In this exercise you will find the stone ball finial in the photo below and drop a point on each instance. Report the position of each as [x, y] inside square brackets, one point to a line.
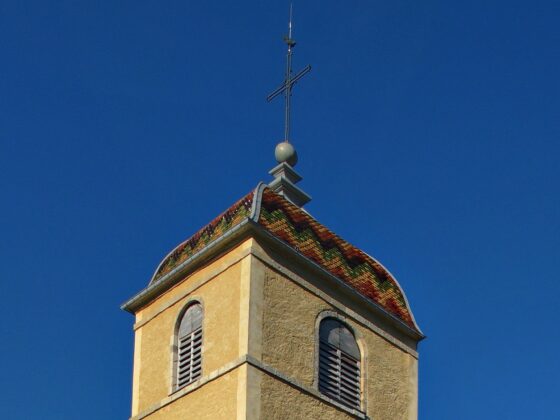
[285, 152]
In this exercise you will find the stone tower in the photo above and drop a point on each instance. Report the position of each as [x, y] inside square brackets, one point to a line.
[267, 314]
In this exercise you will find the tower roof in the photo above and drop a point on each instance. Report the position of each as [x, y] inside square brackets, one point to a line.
[274, 215]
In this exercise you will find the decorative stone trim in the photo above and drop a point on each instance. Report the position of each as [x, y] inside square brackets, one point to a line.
[258, 365]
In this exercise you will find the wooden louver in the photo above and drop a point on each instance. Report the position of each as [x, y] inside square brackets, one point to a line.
[189, 347]
[339, 365]
[190, 358]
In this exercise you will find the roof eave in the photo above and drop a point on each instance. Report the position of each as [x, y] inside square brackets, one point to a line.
[168, 280]
[240, 232]
[415, 334]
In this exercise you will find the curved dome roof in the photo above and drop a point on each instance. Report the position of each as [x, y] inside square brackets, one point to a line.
[296, 228]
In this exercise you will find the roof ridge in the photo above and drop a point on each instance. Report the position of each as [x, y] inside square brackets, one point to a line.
[257, 197]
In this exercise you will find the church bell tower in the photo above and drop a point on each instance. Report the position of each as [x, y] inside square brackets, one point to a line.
[265, 313]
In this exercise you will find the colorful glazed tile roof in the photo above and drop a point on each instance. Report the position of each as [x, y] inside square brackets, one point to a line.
[216, 228]
[299, 230]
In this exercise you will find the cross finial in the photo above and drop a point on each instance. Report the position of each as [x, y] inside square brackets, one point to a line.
[285, 177]
[290, 81]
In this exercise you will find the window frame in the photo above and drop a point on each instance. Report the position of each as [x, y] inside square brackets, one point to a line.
[361, 362]
[175, 346]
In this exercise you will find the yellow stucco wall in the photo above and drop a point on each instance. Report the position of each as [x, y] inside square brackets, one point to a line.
[289, 344]
[281, 401]
[216, 400]
[252, 309]
[217, 287]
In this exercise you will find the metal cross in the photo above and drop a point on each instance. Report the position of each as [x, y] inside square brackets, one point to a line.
[290, 81]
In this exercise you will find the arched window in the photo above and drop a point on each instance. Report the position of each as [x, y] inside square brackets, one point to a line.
[188, 366]
[339, 363]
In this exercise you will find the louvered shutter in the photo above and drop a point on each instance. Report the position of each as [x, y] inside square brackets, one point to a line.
[189, 347]
[339, 365]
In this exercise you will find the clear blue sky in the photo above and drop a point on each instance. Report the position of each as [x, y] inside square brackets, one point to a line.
[428, 135]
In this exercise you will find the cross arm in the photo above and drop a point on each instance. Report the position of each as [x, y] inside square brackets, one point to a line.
[277, 92]
[300, 74]
[288, 83]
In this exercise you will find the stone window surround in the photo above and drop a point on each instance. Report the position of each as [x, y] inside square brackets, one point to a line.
[361, 345]
[174, 341]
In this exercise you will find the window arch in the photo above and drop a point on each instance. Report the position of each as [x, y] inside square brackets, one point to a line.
[188, 360]
[339, 363]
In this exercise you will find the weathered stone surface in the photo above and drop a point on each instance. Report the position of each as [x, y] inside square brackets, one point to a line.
[281, 401]
[289, 345]
[289, 327]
